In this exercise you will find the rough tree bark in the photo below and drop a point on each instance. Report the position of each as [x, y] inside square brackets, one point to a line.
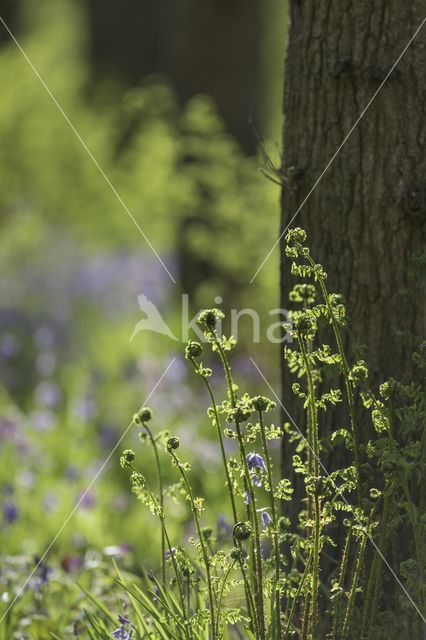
[366, 219]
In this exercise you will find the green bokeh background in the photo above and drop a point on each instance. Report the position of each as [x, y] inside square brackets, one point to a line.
[72, 263]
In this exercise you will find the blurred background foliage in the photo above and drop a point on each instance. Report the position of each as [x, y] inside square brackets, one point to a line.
[165, 111]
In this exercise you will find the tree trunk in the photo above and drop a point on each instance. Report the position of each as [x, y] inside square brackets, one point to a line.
[9, 11]
[203, 46]
[366, 218]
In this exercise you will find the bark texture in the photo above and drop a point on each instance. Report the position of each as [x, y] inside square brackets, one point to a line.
[366, 218]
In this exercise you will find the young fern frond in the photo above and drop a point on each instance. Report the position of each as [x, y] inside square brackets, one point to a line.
[252, 566]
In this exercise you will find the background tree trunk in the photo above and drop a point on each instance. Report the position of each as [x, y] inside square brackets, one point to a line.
[366, 218]
[203, 46]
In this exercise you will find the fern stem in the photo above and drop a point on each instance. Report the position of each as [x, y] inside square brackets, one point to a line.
[353, 588]
[373, 589]
[274, 524]
[313, 429]
[249, 486]
[220, 598]
[341, 584]
[202, 542]
[296, 597]
[170, 549]
[160, 490]
[345, 367]
[315, 581]
[247, 587]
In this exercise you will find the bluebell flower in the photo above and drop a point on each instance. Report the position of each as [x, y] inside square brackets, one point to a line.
[255, 461]
[50, 501]
[10, 512]
[48, 394]
[86, 500]
[108, 436]
[266, 518]
[41, 575]
[43, 571]
[71, 473]
[224, 529]
[8, 346]
[169, 553]
[84, 408]
[121, 633]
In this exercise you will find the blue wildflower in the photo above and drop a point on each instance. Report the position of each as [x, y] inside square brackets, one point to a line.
[10, 512]
[169, 553]
[44, 571]
[224, 529]
[86, 500]
[121, 633]
[266, 518]
[40, 576]
[255, 461]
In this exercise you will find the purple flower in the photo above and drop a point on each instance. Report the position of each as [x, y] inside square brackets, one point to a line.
[84, 408]
[48, 394]
[43, 420]
[43, 571]
[86, 500]
[121, 633]
[120, 502]
[169, 553]
[108, 436]
[50, 501]
[41, 575]
[45, 363]
[224, 529]
[266, 518]
[116, 550]
[10, 429]
[255, 461]
[8, 346]
[44, 336]
[10, 511]
[71, 473]
[26, 479]
[71, 564]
